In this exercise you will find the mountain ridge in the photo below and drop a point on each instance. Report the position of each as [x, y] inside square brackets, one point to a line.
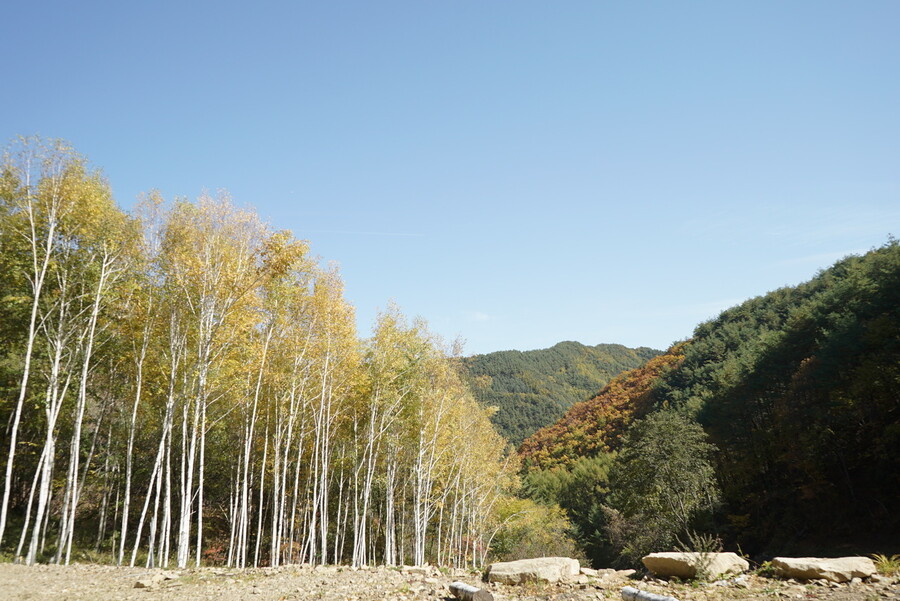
[533, 388]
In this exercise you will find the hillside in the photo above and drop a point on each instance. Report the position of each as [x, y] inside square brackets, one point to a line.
[799, 389]
[532, 389]
[596, 425]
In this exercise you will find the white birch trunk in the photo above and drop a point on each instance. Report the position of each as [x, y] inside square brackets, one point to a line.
[40, 267]
[259, 509]
[132, 428]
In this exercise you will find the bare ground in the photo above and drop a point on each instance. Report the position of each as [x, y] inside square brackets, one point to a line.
[91, 582]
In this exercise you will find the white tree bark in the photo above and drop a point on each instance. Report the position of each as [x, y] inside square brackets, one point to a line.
[42, 250]
[140, 357]
[108, 268]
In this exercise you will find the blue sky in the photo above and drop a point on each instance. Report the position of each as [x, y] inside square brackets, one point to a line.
[517, 173]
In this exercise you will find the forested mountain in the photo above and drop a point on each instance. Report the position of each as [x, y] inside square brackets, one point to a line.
[534, 388]
[597, 425]
[799, 391]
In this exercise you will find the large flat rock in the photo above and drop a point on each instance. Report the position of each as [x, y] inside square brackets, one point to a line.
[686, 565]
[835, 569]
[546, 569]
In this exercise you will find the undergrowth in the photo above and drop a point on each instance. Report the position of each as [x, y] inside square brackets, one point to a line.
[888, 566]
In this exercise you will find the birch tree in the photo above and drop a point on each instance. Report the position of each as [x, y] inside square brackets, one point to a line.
[336, 349]
[210, 257]
[34, 174]
[103, 237]
[207, 382]
[75, 234]
[393, 372]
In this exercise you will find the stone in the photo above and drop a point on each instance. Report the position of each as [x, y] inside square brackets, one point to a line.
[540, 569]
[629, 593]
[152, 581]
[416, 570]
[466, 592]
[685, 565]
[836, 569]
[795, 592]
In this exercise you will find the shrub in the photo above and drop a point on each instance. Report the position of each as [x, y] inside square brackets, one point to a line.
[661, 483]
[525, 529]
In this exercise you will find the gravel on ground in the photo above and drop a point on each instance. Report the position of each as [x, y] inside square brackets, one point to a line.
[92, 582]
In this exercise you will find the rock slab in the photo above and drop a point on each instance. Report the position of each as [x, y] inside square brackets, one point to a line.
[545, 569]
[466, 592]
[835, 569]
[630, 593]
[155, 579]
[686, 565]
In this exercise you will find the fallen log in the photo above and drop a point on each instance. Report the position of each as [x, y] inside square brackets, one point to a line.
[630, 593]
[465, 592]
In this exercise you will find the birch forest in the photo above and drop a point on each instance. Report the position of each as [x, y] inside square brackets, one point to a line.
[183, 385]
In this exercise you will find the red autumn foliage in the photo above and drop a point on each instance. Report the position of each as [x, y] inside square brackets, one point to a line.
[597, 425]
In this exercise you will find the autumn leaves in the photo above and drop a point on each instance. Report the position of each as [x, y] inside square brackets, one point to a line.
[187, 379]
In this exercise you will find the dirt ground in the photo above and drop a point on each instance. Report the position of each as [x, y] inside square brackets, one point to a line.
[89, 582]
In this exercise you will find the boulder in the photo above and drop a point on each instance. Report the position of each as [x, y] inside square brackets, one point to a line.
[465, 592]
[547, 569]
[836, 569]
[686, 565]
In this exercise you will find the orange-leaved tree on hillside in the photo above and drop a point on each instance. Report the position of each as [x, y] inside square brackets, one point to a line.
[597, 425]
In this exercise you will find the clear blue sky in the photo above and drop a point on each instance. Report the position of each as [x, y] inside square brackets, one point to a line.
[517, 173]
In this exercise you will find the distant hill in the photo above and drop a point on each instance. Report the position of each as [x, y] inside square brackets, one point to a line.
[596, 425]
[532, 389]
